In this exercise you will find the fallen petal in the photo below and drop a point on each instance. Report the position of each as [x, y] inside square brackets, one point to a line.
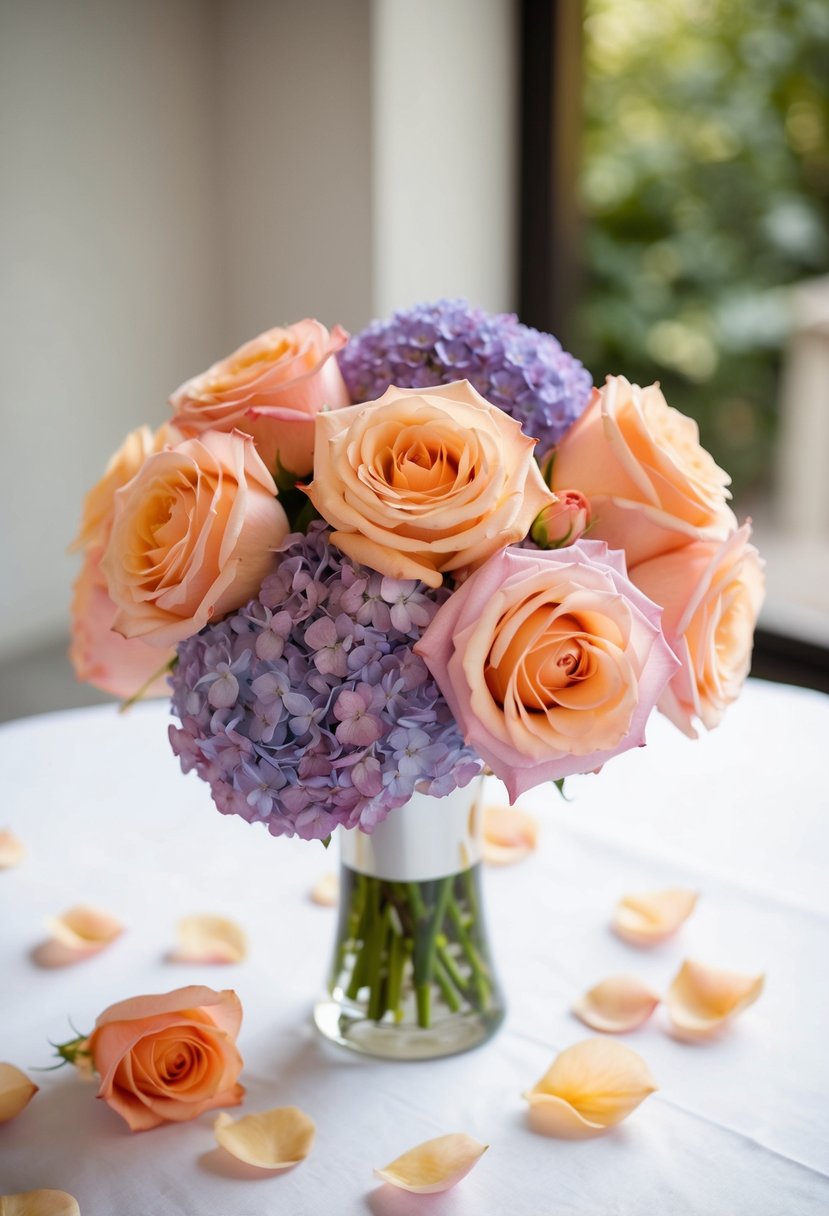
[617, 1004]
[78, 934]
[648, 918]
[39, 1203]
[590, 1087]
[326, 891]
[16, 1091]
[702, 999]
[271, 1140]
[435, 1165]
[510, 835]
[12, 851]
[209, 939]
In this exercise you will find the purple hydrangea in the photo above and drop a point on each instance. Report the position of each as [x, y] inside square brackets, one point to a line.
[524, 372]
[308, 708]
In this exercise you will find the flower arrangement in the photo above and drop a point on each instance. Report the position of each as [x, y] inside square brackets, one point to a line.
[371, 567]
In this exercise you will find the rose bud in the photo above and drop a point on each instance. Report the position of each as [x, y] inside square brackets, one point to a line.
[562, 522]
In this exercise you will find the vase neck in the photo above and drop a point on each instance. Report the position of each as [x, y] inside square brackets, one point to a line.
[427, 838]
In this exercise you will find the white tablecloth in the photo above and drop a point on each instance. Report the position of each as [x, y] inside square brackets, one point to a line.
[738, 1126]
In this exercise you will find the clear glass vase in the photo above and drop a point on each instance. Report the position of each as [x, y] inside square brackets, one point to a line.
[412, 974]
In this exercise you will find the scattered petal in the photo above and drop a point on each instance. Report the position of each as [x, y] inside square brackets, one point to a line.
[326, 891]
[435, 1165]
[648, 918]
[39, 1203]
[590, 1087]
[510, 835]
[272, 1140]
[16, 1091]
[12, 851]
[702, 999]
[209, 939]
[617, 1004]
[78, 934]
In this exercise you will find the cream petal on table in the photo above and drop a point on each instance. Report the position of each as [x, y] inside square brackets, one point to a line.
[436, 1165]
[510, 835]
[701, 1000]
[590, 1087]
[12, 850]
[209, 939]
[39, 1203]
[16, 1091]
[617, 1004]
[326, 891]
[652, 916]
[272, 1140]
[78, 934]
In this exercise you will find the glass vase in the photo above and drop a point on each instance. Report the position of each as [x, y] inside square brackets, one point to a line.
[412, 974]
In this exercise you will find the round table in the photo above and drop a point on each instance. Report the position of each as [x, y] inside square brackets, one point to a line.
[738, 1125]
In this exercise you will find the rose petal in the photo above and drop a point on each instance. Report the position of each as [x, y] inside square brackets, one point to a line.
[589, 1087]
[702, 999]
[12, 851]
[209, 939]
[16, 1091]
[78, 934]
[326, 891]
[652, 916]
[435, 1165]
[617, 1004]
[272, 1140]
[510, 835]
[39, 1203]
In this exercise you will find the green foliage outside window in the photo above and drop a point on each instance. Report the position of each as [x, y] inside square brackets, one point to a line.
[705, 188]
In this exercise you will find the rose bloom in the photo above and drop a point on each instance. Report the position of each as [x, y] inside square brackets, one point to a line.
[99, 503]
[100, 656]
[711, 593]
[551, 661]
[563, 522]
[270, 388]
[652, 487]
[192, 537]
[168, 1058]
[420, 483]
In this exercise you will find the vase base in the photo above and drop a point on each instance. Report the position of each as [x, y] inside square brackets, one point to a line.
[347, 1025]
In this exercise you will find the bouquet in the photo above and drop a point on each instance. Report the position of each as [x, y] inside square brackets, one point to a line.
[372, 568]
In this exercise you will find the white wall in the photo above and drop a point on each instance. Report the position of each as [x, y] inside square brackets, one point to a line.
[445, 133]
[180, 174]
[108, 296]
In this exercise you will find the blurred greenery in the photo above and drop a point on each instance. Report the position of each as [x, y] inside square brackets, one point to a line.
[705, 187]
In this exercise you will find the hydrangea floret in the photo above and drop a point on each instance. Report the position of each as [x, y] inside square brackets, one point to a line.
[524, 372]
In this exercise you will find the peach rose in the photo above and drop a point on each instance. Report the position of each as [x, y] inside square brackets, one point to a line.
[551, 661]
[98, 506]
[100, 656]
[168, 1058]
[711, 593]
[652, 487]
[270, 388]
[192, 537]
[423, 482]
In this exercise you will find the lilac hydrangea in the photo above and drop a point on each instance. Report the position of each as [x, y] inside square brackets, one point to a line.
[524, 372]
[308, 708]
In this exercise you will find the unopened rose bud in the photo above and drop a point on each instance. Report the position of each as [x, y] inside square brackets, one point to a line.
[563, 522]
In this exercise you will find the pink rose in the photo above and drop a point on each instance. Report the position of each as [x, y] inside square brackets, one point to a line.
[425, 481]
[100, 656]
[270, 388]
[652, 487]
[168, 1058]
[193, 537]
[550, 661]
[563, 522]
[711, 593]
